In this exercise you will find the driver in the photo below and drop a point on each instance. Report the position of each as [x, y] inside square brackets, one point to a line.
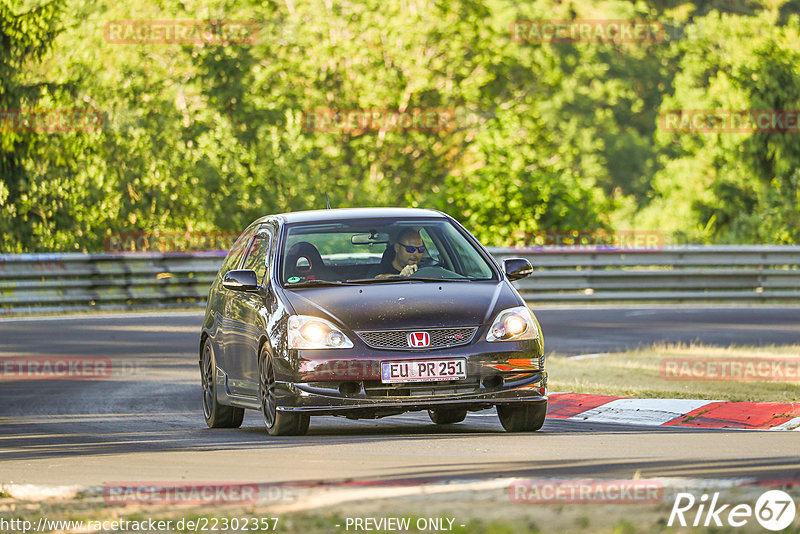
[408, 252]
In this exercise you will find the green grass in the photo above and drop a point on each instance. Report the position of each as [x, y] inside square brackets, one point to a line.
[626, 519]
[639, 373]
[480, 512]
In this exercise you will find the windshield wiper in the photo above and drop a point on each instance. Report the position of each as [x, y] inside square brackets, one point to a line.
[430, 279]
[394, 278]
[398, 278]
[309, 283]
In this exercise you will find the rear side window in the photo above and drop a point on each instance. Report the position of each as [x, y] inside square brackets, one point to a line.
[236, 252]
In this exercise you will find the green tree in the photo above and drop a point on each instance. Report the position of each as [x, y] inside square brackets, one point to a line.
[205, 137]
[723, 186]
[25, 38]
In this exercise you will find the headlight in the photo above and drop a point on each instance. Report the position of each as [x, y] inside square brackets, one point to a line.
[306, 332]
[513, 324]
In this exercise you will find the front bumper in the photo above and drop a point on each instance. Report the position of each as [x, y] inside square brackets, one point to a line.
[313, 399]
[347, 382]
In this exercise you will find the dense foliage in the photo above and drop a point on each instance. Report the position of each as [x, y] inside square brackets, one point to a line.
[206, 136]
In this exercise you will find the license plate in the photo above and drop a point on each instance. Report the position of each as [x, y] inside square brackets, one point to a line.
[423, 371]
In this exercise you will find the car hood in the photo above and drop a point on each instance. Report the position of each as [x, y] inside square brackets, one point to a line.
[405, 305]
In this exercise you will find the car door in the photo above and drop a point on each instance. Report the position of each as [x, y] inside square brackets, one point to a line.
[245, 324]
[224, 299]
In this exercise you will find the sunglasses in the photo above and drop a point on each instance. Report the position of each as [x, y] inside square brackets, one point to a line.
[410, 249]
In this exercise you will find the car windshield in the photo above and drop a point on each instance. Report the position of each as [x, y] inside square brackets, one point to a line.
[379, 251]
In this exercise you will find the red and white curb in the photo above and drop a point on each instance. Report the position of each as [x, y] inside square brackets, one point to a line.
[675, 412]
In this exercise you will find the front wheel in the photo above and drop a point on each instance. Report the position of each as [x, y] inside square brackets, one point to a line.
[217, 415]
[522, 418]
[278, 423]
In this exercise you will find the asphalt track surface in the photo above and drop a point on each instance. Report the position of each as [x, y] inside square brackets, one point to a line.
[144, 423]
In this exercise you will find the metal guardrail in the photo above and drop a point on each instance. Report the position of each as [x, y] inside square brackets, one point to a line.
[74, 282]
[78, 282]
[673, 273]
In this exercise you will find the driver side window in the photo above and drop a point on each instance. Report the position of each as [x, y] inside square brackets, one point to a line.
[257, 255]
[236, 252]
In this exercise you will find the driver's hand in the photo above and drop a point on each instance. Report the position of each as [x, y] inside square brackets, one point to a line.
[408, 270]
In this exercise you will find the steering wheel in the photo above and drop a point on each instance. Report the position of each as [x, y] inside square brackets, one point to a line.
[434, 271]
[428, 262]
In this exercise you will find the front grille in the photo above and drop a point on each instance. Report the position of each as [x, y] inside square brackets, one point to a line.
[421, 389]
[398, 339]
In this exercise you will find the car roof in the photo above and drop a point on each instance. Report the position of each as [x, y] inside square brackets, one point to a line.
[340, 214]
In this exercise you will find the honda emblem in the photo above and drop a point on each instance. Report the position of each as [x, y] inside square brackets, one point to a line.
[419, 339]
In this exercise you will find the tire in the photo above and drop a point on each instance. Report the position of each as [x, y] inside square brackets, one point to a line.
[525, 418]
[447, 416]
[216, 415]
[277, 423]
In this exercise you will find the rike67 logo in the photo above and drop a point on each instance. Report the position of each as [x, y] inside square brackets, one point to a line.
[774, 510]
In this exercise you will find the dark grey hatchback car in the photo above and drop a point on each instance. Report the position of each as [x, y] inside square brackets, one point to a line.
[365, 313]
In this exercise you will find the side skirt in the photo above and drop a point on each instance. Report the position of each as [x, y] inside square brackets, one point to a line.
[250, 403]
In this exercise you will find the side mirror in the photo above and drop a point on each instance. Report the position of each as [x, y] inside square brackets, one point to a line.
[516, 268]
[241, 280]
